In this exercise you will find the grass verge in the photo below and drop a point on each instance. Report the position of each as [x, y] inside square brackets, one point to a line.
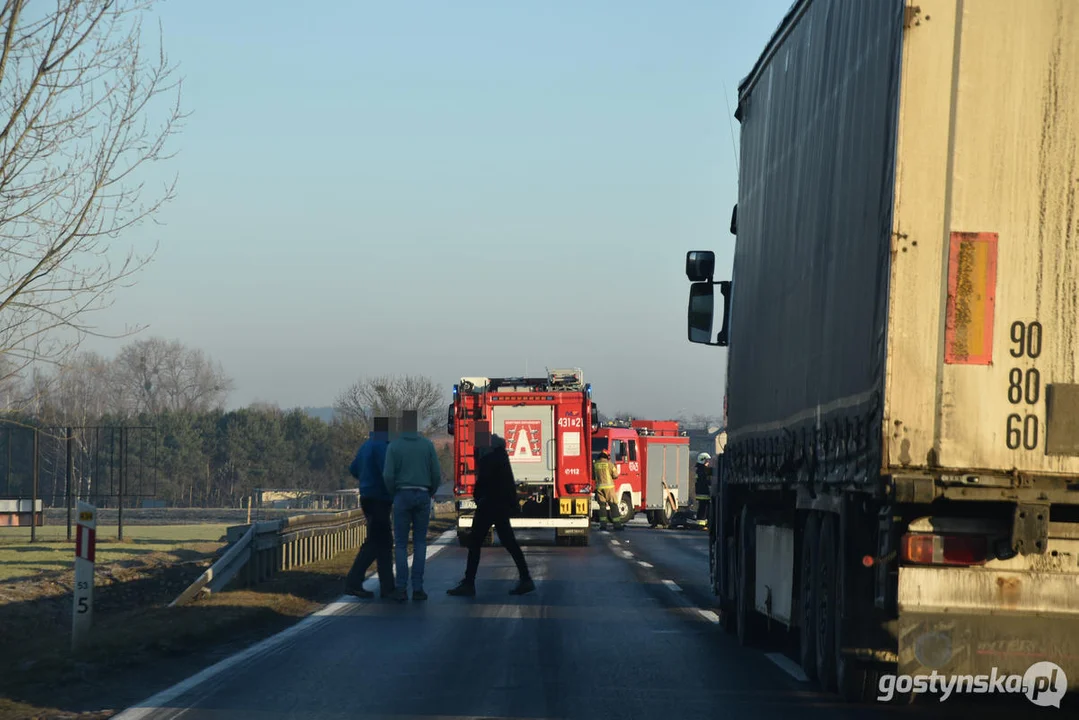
[134, 652]
[21, 560]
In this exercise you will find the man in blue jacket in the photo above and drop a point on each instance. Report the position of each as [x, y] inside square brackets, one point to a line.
[376, 502]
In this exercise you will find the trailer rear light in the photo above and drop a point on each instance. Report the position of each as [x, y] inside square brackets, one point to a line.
[578, 489]
[926, 549]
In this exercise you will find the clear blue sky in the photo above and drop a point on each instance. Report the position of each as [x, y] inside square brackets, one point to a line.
[449, 189]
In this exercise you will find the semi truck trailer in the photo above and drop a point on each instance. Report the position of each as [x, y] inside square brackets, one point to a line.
[899, 484]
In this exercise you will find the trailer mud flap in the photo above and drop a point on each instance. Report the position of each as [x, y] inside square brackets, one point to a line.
[965, 644]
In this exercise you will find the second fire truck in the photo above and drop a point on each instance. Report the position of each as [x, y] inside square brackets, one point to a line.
[547, 423]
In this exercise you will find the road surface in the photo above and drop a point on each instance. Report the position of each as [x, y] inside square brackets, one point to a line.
[619, 629]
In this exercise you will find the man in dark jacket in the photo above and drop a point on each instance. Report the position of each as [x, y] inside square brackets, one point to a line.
[376, 502]
[495, 494]
[702, 486]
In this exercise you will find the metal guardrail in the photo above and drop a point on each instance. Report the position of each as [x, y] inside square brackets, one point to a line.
[263, 549]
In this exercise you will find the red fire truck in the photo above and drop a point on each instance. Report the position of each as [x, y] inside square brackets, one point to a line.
[547, 424]
[654, 471]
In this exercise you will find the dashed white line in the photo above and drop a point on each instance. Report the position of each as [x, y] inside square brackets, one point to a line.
[709, 616]
[788, 666]
[644, 564]
[672, 585]
[615, 542]
[627, 554]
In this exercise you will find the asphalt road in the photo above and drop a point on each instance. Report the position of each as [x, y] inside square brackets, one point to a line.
[619, 629]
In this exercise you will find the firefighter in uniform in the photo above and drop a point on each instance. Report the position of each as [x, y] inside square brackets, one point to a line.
[604, 473]
[702, 487]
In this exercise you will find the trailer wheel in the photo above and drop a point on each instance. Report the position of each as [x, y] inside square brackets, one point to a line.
[807, 584]
[747, 621]
[826, 604]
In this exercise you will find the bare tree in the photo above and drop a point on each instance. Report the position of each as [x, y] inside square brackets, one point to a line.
[391, 395]
[154, 375]
[76, 87]
[77, 393]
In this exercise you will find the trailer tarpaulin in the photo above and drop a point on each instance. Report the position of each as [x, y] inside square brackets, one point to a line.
[811, 265]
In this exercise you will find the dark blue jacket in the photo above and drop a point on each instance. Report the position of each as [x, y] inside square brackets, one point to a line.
[367, 467]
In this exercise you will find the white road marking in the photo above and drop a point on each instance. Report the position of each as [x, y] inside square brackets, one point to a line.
[162, 699]
[672, 585]
[642, 563]
[615, 542]
[788, 666]
[709, 615]
[627, 554]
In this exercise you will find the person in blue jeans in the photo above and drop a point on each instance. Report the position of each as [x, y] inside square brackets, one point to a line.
[412, 475]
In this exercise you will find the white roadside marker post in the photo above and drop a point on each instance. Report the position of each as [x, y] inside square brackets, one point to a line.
[83, 599]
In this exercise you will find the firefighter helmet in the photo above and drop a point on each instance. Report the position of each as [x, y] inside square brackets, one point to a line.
[703, 457]
[604, 453]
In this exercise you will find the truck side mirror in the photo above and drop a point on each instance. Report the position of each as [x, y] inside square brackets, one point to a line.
[700, 265]
[449, 421]
[701, 310]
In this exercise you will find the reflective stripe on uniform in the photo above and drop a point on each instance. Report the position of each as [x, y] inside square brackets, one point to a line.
[704, 497]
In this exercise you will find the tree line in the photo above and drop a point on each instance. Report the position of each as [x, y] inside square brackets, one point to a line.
[181, 445]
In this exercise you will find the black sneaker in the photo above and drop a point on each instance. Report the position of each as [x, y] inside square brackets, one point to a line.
[463, 589]
[418, 596]
[388, 593]
[400, 595]
[360, 593]
[523, 587]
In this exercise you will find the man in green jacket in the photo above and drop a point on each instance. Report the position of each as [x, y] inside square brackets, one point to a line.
[412, 475]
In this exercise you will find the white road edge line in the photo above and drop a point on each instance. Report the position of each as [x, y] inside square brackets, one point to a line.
[788, 666]
[672, 585]
[162, 699]
[644, 564]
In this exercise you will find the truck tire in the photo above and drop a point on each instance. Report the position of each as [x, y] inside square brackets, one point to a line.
[625, 508]
[747, 621]
[807, 596]
[668, 513]
[825, 591]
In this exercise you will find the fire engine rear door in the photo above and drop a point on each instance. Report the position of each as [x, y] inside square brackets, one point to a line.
[530, 440]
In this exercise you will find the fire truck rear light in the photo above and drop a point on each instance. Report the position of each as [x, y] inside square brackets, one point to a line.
[578, 489]
[926, 549]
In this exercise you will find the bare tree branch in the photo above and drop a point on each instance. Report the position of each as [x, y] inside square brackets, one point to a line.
[76, 94]
[392, 395]
[154, 375]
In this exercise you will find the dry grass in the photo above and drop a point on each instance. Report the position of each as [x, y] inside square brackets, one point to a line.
[140, 648]
[20, 560]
